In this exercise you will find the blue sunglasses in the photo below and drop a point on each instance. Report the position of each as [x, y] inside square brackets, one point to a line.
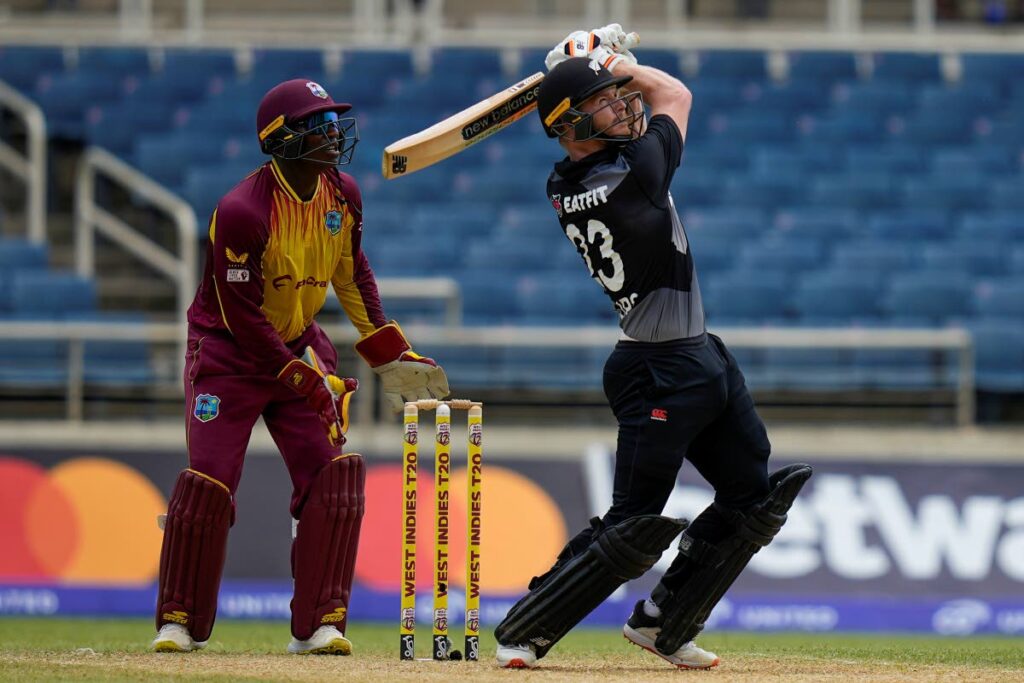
[320, 119]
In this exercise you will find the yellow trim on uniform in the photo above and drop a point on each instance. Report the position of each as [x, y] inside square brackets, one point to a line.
[292, 194]
[345, 455]
[556, 112]
[211, 479]
[271, 127]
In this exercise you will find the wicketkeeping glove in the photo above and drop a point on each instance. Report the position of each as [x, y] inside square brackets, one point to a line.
[327, 394]
[608, 45]
[404, 374]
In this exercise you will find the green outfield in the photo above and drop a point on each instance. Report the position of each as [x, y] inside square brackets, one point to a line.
[104, 650]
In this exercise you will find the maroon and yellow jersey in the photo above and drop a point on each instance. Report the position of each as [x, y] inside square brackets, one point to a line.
[271, 258]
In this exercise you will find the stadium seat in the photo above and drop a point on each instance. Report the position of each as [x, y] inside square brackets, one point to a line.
[271, 66]
[822, 68]
[874, 97]
[1000, 69]
[936, 296]
[775, 253]
[978, 259]
[562, 299]
[977, 160]
[855, 191]
[1004, 226]
[40, 363]
[718, 158]
[887, 158]
[118, 126]
[876, 256]
[909, 225]
[970, 98]
[1000, 298]
[712, 254]
[791, 98]
[488, 295]
[461, 63]
[725, 222]
[936, 128]
[18, 254]
[208, 61]
[696, 189]
[65, 99]
[378, 66]
[115, 363]
[737, 65]
[771, 159]
[765, 191]
[114, 62]
[1006, 194]
[22, 65]
[808, 369]
[51, 292]
[829, 297]
[741, 295]
[906, 67]
[999, 355]
[204, 186]
[714, 95]
[820, 223]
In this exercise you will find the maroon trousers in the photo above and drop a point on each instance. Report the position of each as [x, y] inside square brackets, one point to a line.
[225, 395]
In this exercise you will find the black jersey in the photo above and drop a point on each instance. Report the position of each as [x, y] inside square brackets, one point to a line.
[615, 207]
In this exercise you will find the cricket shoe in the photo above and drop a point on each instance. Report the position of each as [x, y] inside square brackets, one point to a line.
[175, 638]
[516, 656]
[326, 640]
[643, 630]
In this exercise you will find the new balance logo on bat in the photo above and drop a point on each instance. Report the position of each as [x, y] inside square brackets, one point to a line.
[399, 163]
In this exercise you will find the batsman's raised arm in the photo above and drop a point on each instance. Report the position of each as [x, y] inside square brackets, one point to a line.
[662, 92]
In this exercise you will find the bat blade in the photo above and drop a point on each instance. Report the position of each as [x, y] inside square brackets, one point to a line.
[461, 130]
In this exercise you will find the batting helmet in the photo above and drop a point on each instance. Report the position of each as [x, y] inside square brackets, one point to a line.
[295, 109]
[567, 86]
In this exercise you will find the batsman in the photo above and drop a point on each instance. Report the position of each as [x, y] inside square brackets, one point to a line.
[290, 229]
[675, 389]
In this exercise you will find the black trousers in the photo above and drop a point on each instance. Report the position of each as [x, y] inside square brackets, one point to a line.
[676, 400]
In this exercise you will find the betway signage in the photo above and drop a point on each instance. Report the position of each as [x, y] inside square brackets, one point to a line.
[882, 528]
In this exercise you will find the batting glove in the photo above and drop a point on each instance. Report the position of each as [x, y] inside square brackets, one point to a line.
[327, 394]
[404, 374]
[608, 45]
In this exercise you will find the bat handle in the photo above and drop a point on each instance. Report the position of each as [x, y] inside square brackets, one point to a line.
[630, 41]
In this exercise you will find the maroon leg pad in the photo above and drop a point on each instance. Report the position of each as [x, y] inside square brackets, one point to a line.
[324, 550]
[192, 557]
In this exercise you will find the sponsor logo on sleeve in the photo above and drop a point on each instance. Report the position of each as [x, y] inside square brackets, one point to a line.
[238, 274]
[236, 258]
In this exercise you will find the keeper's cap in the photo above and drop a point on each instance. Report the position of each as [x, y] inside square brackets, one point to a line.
[568, 85]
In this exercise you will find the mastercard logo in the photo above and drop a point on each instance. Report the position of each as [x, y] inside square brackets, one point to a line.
[86, 520]
[522, 529]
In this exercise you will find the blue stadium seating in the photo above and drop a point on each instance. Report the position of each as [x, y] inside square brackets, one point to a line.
[822, 68]
[1000, 227]
[742, 297]
[831, 297]
[779, 254]
[910, 225]
[999, 354]
[936, 296]
[823, 199]
[1000, 298]
[906, 67]
[40, 363]
[51, 292]
[819, 223]
[1001, 69]
[22, 65]
[466, 63]
[739, 65]
[978, 259]
[561, 298]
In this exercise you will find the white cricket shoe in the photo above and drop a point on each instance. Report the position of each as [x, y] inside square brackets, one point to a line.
[175, 638]
[326, 640]
[643, 630]
[516, 656]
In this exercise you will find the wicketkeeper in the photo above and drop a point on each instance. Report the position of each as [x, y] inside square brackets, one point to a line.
[284, 234]
[676, 391]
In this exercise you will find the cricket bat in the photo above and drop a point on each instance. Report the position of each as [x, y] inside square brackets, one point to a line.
[468, 127]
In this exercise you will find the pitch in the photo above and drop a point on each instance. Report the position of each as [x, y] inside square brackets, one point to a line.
[106, 650]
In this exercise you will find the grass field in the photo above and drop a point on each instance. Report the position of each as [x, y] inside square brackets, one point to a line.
[105, 650]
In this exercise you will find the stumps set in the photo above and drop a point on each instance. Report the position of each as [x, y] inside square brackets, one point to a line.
[441, 643]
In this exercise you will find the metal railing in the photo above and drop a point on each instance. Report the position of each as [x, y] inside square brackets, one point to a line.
[91, 219]
[32, 166]
[949, 340]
